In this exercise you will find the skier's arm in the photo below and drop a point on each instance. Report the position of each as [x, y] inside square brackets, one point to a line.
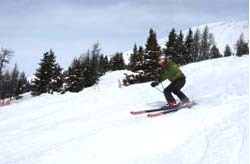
[158, 81]
[154, 84]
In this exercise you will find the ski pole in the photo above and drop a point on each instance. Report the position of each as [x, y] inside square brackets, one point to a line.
[162, 86]
[159, 90]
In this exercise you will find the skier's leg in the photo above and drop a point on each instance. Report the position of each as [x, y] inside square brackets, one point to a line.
[179, 83]
[168, 94]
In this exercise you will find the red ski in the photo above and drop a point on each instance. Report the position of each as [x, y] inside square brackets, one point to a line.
[150, 110]
[151, 115]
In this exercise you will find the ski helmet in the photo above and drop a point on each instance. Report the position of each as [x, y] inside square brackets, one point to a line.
[162, 57]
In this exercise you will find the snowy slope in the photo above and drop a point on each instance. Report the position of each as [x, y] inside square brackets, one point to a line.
[227, 32]
[94, 126]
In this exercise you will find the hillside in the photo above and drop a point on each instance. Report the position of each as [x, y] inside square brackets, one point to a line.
[95, 126]
[227, 32]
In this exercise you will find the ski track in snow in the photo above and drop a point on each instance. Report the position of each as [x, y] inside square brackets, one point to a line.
[94, 126]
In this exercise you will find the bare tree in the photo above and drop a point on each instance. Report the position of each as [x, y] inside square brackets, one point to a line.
[5, 55]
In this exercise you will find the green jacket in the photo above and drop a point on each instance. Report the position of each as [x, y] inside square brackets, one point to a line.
[170, 71]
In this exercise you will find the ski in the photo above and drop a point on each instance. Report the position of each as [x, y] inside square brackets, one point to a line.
[151, 115]
[150, 110]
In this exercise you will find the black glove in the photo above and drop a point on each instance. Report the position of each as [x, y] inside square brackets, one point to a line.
[154, 84]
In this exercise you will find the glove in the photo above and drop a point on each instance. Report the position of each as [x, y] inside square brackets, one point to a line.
[154, 84]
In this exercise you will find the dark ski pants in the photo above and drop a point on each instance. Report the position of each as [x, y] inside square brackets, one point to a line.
[175, 87]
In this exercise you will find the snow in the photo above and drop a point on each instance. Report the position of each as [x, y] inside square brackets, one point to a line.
[225, 32]
[95, 126]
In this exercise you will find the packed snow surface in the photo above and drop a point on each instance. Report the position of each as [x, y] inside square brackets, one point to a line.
[95, 125]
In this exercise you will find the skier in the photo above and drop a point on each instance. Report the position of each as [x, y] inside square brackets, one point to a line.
[170, 70]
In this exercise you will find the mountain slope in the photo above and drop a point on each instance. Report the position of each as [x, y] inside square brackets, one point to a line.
[94, 126]
[227, 32]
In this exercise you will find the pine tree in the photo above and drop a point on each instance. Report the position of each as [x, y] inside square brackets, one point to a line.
[241, 46]
[57, 79]
[74, 77]
[205, 45]
[103, 64]
[92, 69]
[117, 62]
[133, 59]
[43, 82]
[138, 77]
[180, 49]
[86, 70]
[141, 55]
[136, 59]
[214, 53]
[13, 81]
[95, 54]
[106, 64]
[89, 74]
[227, 51]
[211, 43]
[190, 49]
[246, 48]
[152, 52]
[171, 45]
[147, 68]
[22, 85]
[197, 46]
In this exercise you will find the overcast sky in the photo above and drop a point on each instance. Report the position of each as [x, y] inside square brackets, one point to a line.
[70, 27]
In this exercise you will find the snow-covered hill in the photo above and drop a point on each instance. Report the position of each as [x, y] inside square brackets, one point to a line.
[95, 126]
[227, 32]
[224, 33]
